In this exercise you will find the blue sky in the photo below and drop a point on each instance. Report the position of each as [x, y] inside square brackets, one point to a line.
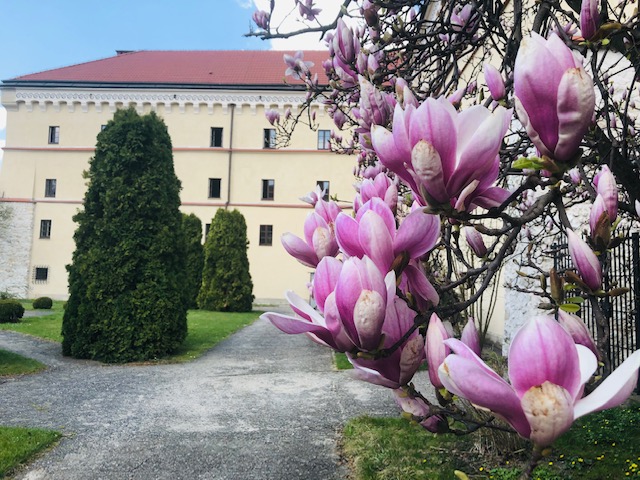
[40, 35]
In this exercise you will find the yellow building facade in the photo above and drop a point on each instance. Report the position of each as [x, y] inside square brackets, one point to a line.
[222, 148]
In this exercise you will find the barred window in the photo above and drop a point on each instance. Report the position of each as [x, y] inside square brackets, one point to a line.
[50, 187]
[268, 189]
[45, 228]
[54, 135]
[40, 274]
[266, 235]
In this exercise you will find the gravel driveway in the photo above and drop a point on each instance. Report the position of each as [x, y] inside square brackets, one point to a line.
[260, 405]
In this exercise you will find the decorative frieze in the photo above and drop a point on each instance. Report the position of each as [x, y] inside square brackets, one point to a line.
[199, 102]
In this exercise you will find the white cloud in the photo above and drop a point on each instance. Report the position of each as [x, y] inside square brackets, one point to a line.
[287, 18]
[246, 4]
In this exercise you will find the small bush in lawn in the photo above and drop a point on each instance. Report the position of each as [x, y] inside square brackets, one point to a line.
[42, 303]
[5, 296]
[11, 311]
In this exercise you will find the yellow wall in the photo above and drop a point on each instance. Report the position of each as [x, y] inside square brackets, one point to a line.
[29, 160]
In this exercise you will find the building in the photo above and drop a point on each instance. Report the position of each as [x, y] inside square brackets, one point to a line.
[213, 103]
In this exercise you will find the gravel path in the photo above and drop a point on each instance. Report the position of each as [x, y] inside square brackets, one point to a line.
[260, 405]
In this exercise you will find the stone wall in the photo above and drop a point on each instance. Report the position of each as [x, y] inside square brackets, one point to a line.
[16, 232]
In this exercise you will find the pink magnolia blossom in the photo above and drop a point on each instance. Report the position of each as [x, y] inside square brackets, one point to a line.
[554, 96]
[589, 18]
[273, 116]
[420, 411]
[436, 349]
[494, 81]
[296, 66]
[305, 7]
[318, 243]
[398, 368]
[382, 187]
[585, 261]
[444, 156]
[545, 395]
[345, 44]
[470, 336]
[578, 331]
[373, 233]
[261, 19]
[475, 241]
[606, 186]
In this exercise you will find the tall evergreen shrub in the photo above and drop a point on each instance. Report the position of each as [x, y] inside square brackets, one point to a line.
[192, 227]
[226, 281]
[127, 301]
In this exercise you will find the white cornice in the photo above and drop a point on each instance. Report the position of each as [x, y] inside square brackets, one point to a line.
[71, 99]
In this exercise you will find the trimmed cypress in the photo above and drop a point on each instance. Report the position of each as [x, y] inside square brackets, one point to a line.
[127, 301]
[226, 281]
[192, 227]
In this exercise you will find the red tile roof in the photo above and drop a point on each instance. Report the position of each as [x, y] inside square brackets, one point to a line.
[210, 67]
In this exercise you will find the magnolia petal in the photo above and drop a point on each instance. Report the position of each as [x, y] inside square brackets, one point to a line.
[428, 170]
[470, 336]
[549, 411]
[417, 235]
[559, 364]
[347, 235]
[578, 331]
[576, 104]
[436, 349]
[325, 279]
[298, 249]
[411, 357]
[376, 240]
[585, 261]
[614, 390]
[420, 286]
[469, 378]
[491, 197]
[371, 376]
[368, 318]
[588, 365]
[385, 148]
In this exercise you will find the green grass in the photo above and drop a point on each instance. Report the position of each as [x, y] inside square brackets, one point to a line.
[205, 329]
[602, 446]
[14, 364]
[18, 445]
[341, 362]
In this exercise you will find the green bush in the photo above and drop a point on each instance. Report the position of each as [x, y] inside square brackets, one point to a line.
[11, 311]
[126, 282]
[226, 281]
[6, 296]
[192, 227]
[42, 303]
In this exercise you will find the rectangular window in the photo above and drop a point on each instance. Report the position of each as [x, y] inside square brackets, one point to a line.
[207, 227]
[324, 137]
[102, 127]
[41, 274]
[45, 228]
[54, 135]
[50, 187]
[269, 138]
[268, 189]
[324, 185]
[266, 235]
[214, 187]
[216, 136]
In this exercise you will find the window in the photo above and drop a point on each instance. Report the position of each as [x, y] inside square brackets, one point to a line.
[102, 127]
[216, 136]
[324, 137]
[324, 185]
[214, 187]
[45, 228]
[268, 187]
[207, 227]
[50, 187]
[41, 274]
[266, 235]
[54, 135]
[269, 138]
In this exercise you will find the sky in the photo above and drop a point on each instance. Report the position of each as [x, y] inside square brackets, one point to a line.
[39, 35]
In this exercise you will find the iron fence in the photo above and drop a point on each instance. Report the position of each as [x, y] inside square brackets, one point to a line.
[623, 311]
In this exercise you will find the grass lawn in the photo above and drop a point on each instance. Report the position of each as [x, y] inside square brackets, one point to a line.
[602, 446]
[205, 328]
[341, 362]
[14, 364]
[17, 445]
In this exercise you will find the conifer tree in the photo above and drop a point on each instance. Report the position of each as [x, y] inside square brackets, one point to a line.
[226, 281]
[127, 301]
[192, 227]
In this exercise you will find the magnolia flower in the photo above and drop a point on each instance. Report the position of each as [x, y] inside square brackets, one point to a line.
[420, 411]
[585, 261]
[373, 233]
[578, 331]
[261, 19]
[444, 156]
[554, 96]
[345, 45]
[382, 187]
[296, 66]
[273, 116]
[606, 186]
[398, 368]
[545, 395]
[475, 241]
[305, 7]
[494, 81]
[319, 241]
[589, 18]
